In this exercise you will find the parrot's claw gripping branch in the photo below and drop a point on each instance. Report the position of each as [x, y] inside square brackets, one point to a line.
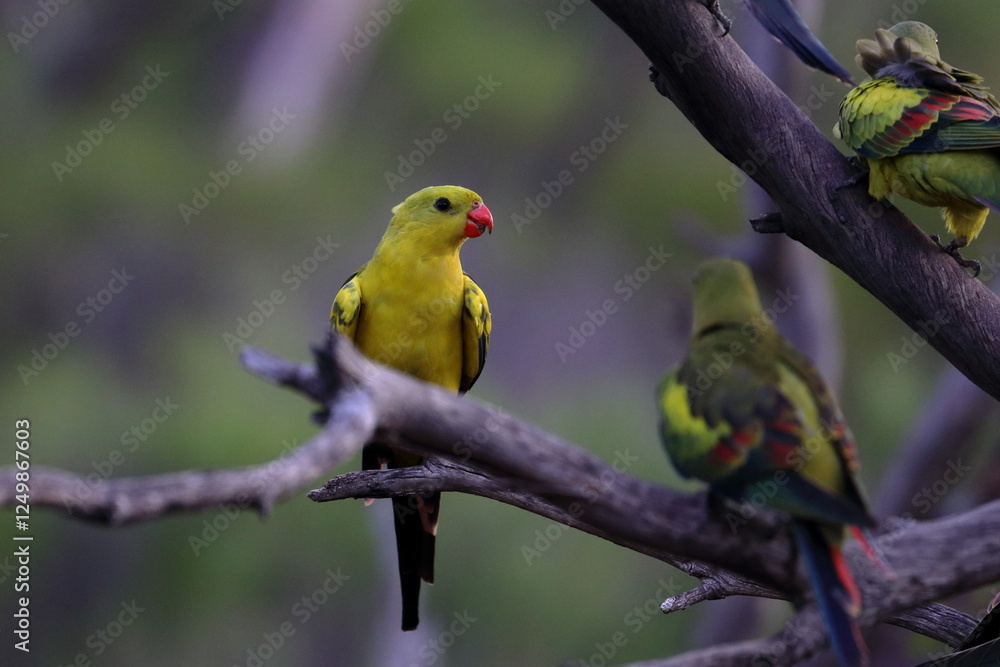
[720, 16]
[953, 248]
[860, 176]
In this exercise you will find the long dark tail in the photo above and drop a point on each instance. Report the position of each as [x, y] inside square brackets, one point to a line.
[836, 592]
[415, 521]
[415, 518]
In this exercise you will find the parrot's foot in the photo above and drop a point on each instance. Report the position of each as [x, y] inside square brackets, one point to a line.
[861, 174]
[953, 248]
[727, 23]
[769, 223]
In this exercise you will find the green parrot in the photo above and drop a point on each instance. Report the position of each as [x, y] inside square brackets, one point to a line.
[781, 20]
[925, 130]
[751, 416]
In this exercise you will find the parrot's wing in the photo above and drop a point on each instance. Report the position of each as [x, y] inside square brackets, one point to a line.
[346, 308]
[690, 442]
[476, 327]
[781, 20]
[729, 430]
[746, 429]
[882, 119]
[969, 125]
[874, 121]
[851, 502]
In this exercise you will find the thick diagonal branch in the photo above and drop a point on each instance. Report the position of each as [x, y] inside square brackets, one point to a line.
[747, 119]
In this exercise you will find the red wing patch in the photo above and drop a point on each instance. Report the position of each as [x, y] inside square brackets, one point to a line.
[970, 109]
[733, 447]
[725, 451]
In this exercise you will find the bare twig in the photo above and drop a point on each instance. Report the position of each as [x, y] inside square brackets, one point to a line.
[131, 499]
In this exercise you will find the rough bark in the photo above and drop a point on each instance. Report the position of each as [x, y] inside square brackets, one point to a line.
[748, 120]
[482, 450]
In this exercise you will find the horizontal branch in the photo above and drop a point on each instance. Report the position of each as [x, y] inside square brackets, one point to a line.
[131, 499]
[484, 451]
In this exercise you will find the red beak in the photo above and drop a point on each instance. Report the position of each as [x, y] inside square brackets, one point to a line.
[478, 221]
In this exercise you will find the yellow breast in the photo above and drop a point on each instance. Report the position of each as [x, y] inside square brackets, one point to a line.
[411, 316]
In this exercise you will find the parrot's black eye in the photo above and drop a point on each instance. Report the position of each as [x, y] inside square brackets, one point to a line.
[442, 204]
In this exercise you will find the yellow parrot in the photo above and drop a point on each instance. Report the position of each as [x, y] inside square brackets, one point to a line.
[412, 307]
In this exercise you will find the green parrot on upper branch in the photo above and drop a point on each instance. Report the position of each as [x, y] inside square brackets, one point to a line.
[781, 20]
[925, 130]
[751, 416]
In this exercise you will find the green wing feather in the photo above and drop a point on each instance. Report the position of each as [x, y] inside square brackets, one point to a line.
[476, 327]
[915, 102]
[758, 419]
[346, 309]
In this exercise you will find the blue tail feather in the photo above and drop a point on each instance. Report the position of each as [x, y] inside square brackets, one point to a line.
[781, 20]
[832, 596]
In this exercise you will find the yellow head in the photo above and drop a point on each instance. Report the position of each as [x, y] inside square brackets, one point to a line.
[447, 212]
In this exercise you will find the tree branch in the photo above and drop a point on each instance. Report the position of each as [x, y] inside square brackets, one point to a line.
[484, 451]
[131, 499]
[802, 637]
[747, 119]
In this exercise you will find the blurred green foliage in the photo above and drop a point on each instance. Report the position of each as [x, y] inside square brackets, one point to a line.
[324, 177]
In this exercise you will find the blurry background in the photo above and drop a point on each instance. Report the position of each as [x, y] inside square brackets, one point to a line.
[177, 175]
